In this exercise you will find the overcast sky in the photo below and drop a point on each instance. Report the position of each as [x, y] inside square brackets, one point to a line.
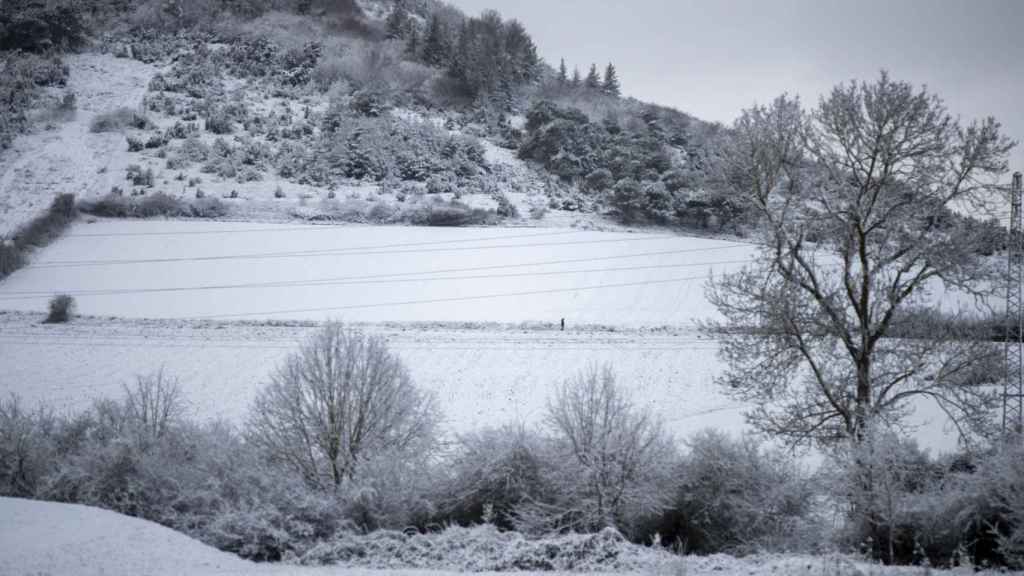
[713, 58]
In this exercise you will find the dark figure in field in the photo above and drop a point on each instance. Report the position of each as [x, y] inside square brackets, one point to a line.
[563, 324]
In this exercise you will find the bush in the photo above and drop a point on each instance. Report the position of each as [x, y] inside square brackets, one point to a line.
[119, 119]
[26, 453]
[41, 26]
[506, 209]
[735, 496]
[115, 205]
[135, 144]
[62, 308]
[453, 213]
[492, 473]
[219, 122]
[23, 76]
[140, 177]
[485, 549]
[210, 207]
[160, 204]
[37, 233]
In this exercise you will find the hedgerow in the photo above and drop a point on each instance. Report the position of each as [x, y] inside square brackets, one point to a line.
[37, 233]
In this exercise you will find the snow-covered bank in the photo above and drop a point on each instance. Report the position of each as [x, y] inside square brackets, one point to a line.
[68, 539]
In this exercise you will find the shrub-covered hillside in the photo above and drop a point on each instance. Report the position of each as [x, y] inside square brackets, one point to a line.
[376, 110]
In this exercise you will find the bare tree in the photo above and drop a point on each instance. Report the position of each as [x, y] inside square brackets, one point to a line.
[856, 201]
[614, 449]
[25, 447]
[341, 398]
[153, 405]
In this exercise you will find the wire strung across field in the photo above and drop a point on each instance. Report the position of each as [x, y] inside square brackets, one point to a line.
[359, 251]
[391, 278]
[449, 299]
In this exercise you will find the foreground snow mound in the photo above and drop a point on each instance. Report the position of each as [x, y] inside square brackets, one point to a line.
[54, 539]
[484, 548]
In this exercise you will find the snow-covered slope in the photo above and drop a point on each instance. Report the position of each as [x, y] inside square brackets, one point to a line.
[69, 158]
[57, 539]
[46, 538]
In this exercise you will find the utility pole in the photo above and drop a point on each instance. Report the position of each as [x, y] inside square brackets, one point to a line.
[1013, 393]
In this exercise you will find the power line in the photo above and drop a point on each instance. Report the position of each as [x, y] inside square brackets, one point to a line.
[306, 228]
[353, 252]
[200, 345]
[452, 299]
[342, 281]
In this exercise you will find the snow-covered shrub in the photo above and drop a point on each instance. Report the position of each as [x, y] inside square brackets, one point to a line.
[491, 473]
[484, 548]
[61, 309]
[381, 213]
[36, 233]
[734, 495]
[119, 119]
[181, 130]
[1001, 480]
[506, 209]
[328, 70]
[612, 461]
[26, 447]
[24, 74]
[209, 207]
[196, 73]
[140, 177]
[963, 509]
[112, 205]
[295, 66]
[135, 144]
[219, 122]
[42, 26]
[376, 148]
[450, 213]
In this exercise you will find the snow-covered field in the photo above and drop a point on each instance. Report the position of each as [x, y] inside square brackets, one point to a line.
[473, 312]
[44, 538]
[174, 269]
[484, 374]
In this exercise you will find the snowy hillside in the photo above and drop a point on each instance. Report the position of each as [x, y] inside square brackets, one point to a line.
[68, 157]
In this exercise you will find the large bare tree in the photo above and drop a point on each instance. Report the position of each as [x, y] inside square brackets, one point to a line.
[342, 398]
[857, 201]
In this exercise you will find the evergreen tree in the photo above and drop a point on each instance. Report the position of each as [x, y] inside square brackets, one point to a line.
[398, 22]
[412, 44]
[611, 81]
[593, 81]
[436, 47]
[577, 80]
[563, 73]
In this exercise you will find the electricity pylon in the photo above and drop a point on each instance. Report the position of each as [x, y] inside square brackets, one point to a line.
[1013, 393]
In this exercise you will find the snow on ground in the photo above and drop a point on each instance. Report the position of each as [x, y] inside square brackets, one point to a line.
[375, 273]
[46, 538]
[499, 292]
[69, 158]
[484, 375]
